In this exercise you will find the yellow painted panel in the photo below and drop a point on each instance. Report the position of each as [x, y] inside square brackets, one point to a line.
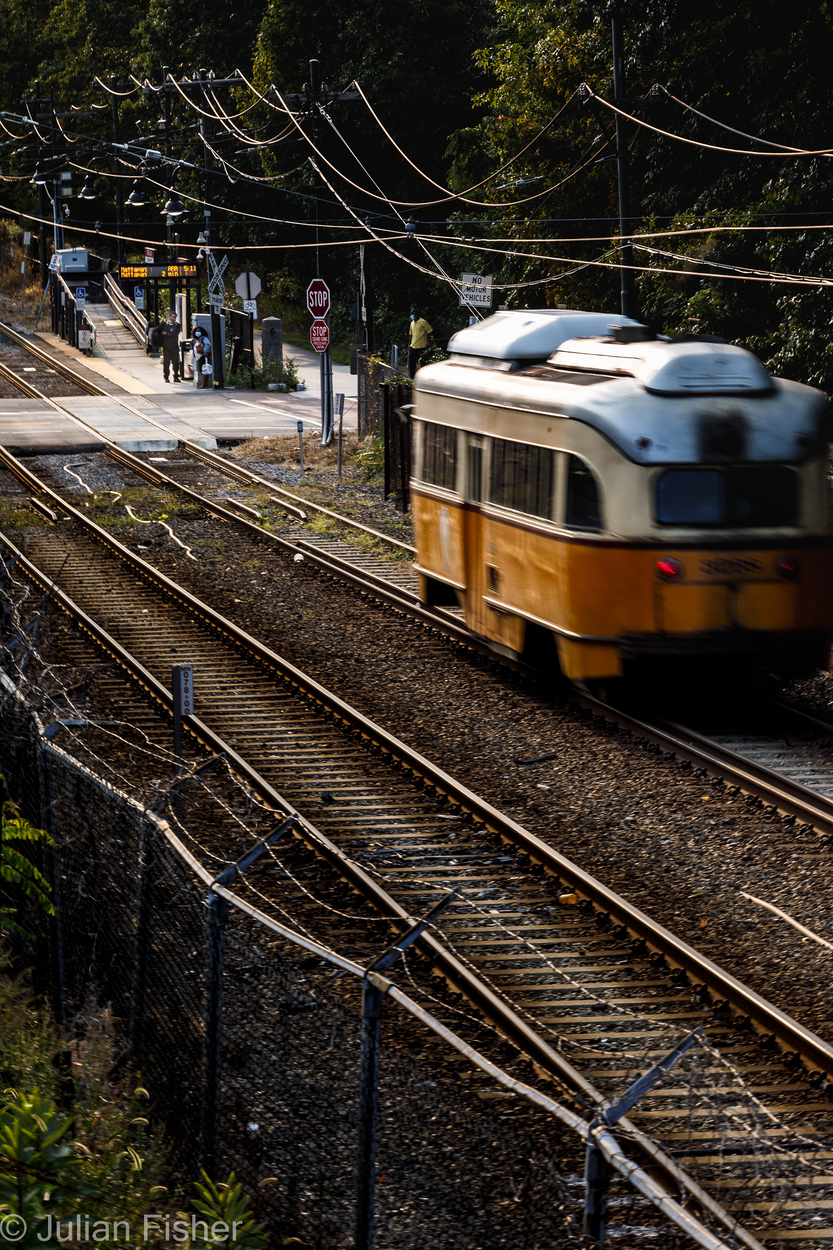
[582, 660]
[683, 608]
[769, 605]
[438, 537]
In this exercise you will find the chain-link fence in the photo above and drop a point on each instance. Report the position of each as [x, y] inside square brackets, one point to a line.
[251, 1034]
[250, 1046]
[373, 375]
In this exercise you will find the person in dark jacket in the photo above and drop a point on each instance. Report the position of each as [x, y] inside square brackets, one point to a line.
[170, 346]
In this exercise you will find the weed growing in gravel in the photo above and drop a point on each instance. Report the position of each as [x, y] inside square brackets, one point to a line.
[371, 458]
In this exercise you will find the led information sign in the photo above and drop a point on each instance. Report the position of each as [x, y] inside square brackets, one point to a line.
[159, 271]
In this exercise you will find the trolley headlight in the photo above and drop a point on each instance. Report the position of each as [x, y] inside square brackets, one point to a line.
[787, 567]
[669, 570]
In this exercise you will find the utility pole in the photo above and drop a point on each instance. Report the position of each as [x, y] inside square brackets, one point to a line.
[44, 264]
[313, 98]
[114, 108]
[627, 295]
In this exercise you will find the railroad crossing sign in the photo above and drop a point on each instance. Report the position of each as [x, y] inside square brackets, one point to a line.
[319, 335]
[216, 271]
[318, 300]
[215, 299]
[247, 286]
[476, 290]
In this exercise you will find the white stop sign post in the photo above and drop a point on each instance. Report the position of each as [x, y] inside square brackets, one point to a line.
[318, 303]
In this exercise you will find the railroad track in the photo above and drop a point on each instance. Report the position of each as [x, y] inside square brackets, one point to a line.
[567, 993]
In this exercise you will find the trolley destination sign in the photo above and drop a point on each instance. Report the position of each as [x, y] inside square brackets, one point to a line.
[159, 271]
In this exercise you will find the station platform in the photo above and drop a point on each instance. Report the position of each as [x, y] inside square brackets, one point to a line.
[144, 413]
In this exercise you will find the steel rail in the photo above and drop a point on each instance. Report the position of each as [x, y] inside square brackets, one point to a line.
[90, 388]
[764, 1016]
[248, 476]
[494, 1009]
[237, 472]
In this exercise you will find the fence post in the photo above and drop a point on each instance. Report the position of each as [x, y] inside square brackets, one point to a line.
[144, 927]
[57, 971]
[217, 913]
[374, 988]
[372, 999]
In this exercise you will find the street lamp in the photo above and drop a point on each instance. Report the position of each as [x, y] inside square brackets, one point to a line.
[88, 191]
[137, 197]
[174, 207]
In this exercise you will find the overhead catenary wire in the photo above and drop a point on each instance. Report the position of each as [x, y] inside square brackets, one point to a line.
[711, 147]
[724, 126]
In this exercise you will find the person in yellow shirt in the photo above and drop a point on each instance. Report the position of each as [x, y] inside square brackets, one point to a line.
[418, 340]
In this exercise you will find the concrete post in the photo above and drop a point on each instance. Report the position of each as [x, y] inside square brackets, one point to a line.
[271, 338]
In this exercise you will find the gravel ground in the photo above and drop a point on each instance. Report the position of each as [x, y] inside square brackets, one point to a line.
[677, 845]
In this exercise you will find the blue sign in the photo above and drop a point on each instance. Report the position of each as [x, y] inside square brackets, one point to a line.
[80, 296]
[139, 296]
[300, 427]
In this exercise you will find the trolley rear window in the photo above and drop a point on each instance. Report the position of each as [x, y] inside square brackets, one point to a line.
[743, 497]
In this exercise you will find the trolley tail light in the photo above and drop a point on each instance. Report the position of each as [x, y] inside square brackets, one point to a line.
[669, 570]
[788, 567]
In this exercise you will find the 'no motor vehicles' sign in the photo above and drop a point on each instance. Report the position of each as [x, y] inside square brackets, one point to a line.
[319, 335]
[318, 298]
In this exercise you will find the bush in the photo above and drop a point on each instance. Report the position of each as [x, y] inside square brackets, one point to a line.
[258, 379]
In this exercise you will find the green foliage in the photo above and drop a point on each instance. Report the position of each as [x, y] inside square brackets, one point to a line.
[38, 1170]
[768, 76]
[283, 372]
[15, 869]
[72, 1139]
[371, 458]
[226, 1203]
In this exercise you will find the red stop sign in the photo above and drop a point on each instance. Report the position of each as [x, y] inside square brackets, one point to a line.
[319, 335]
[318, 298]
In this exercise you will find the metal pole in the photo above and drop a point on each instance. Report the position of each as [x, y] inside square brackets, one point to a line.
[205, 132]
[339, 407]
[217, 913]
[374, 988]
[372, 999]
[143, 943]
[301, 444]
[314, 97]
[628, 284]
[182, 684]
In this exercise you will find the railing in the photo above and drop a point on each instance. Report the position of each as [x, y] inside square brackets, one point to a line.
[126, 310]
[67, 318]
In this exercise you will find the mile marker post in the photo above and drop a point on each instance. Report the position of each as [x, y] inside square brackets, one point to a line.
[182, 682]
[339, 407]
[301, 444]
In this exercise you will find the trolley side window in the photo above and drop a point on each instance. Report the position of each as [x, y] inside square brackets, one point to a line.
[745, 497]
[583, 504]
[522, 477]
[439, 455]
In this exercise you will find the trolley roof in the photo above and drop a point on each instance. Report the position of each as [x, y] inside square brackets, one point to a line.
[660, 402]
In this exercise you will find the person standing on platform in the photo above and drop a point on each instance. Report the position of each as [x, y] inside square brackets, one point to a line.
[419, 338]
[202, 356]
[170, 346]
